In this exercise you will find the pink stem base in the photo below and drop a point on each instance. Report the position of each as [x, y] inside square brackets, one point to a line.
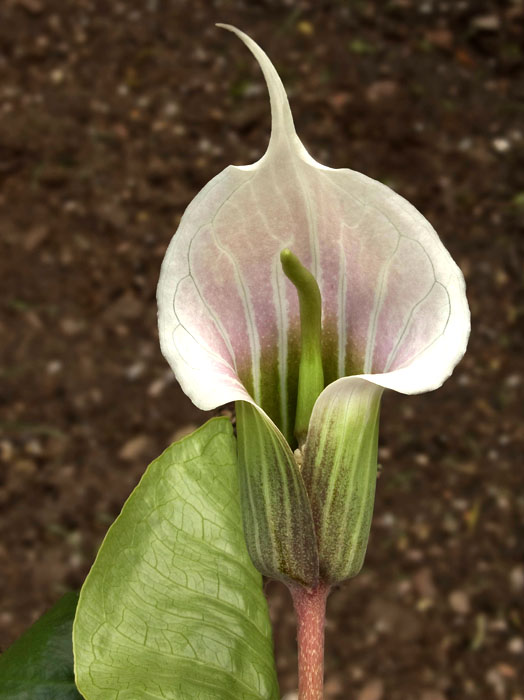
[310, 609]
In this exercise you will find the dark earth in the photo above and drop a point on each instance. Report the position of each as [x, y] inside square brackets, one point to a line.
[112, 117]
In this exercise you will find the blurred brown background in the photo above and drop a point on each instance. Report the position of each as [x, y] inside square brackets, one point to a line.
[112, 116]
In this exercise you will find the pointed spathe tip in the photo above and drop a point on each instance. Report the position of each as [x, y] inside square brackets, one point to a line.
[281, 117]
[229, 27]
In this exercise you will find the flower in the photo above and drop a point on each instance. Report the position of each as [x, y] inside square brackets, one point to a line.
[394, 315]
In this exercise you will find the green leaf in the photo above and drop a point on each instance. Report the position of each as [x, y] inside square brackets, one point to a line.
[173, 607]
[277, 518]
[340, 473]
[39, 665]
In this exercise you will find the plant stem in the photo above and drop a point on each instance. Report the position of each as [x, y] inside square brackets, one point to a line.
[310, 610]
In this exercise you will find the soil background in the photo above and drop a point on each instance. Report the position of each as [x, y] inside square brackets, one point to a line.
[112, 116]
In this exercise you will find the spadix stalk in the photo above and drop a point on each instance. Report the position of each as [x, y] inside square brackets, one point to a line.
[393, 315]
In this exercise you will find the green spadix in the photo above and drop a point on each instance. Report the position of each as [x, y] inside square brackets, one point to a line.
[311, 373]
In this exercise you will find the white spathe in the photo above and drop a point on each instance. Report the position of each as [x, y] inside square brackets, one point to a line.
[393, 301]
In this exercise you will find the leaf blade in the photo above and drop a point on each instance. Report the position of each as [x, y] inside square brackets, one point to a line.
[173, 607]
[39, 665]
